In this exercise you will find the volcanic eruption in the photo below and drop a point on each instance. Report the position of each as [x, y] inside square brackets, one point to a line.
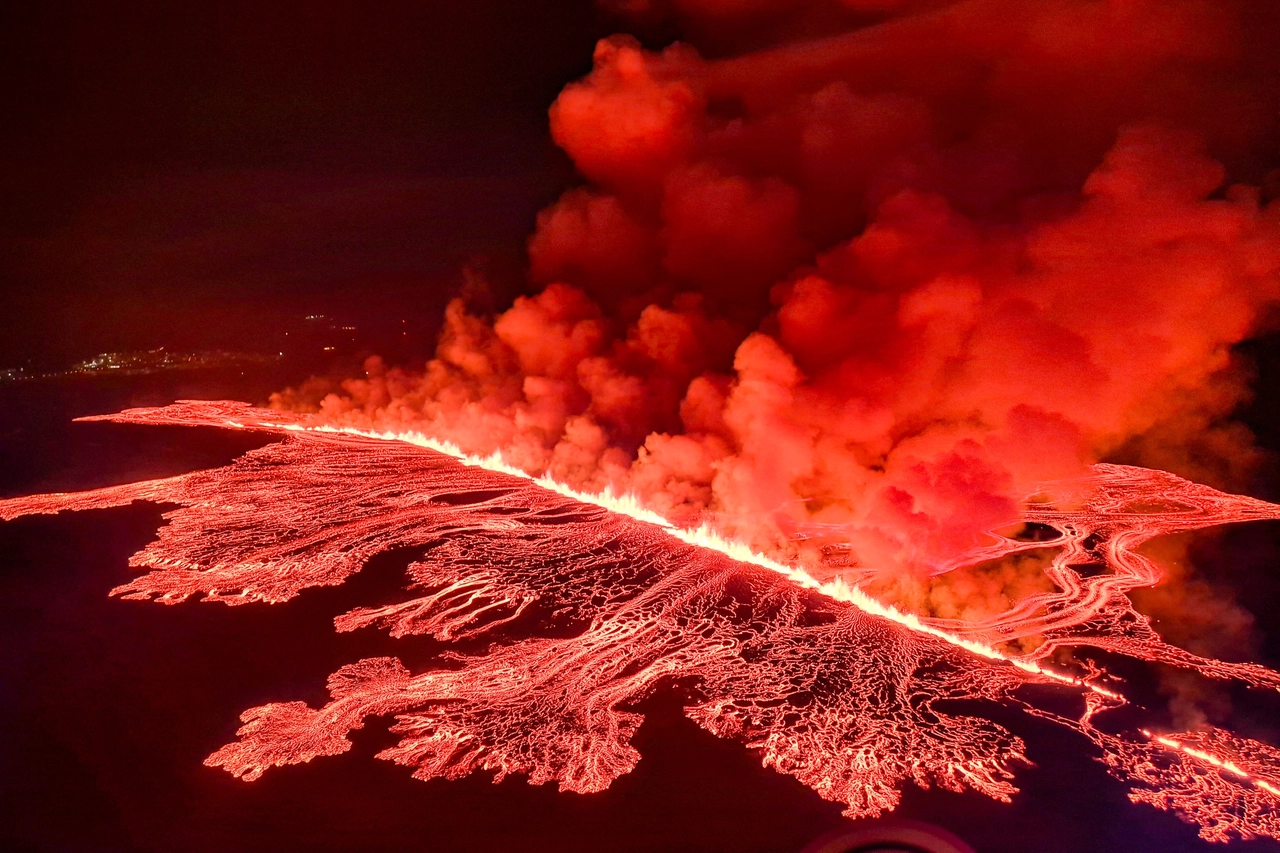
[856, 296]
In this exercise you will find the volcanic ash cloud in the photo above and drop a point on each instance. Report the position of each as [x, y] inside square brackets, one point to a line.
[875, 271]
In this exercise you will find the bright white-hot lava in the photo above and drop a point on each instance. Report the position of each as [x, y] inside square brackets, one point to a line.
[591, 602]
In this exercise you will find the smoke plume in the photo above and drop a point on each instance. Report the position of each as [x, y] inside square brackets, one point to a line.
[850, 280]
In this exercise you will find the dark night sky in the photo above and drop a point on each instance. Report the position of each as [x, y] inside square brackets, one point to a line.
[186, 173]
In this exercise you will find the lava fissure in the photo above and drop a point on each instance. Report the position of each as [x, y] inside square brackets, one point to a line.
[835, 689]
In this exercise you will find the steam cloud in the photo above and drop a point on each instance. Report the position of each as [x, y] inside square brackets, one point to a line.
[878, 269]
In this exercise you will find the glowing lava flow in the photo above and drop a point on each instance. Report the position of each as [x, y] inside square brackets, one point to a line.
[589, 603]
[706, 537]
[1229, 785]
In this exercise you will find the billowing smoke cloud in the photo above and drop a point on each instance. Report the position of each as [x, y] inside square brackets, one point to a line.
[864, 280]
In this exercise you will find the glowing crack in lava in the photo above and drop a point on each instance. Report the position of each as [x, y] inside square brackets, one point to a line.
[591, 602]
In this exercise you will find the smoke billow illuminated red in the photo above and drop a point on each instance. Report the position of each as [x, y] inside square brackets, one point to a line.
[869, 286]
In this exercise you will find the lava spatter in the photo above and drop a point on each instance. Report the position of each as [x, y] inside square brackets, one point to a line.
[592, 602]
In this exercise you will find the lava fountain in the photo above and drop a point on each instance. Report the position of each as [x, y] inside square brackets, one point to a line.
[592, 602]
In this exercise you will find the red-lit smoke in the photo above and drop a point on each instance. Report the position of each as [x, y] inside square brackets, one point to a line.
[879, 269]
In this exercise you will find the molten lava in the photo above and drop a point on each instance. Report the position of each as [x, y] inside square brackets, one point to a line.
[592, 602]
